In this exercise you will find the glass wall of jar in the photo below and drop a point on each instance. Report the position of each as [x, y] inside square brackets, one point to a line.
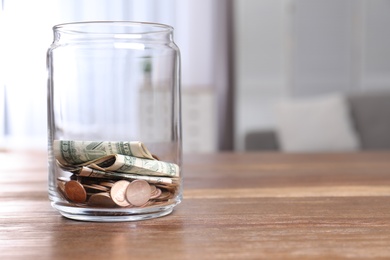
[114, 121]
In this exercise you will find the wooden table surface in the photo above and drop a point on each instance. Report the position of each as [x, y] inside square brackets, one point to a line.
[236, 206]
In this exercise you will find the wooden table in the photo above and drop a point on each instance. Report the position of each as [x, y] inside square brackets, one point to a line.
[236, 206]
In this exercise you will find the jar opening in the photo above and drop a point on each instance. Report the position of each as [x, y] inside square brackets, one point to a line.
[118, 28]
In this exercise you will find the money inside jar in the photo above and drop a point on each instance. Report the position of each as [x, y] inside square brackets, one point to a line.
[114, 174]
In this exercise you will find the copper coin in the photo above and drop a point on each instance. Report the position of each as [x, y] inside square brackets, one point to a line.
[156, 194]
[61, 188]
[138, 192]
[108, 184]
[75, 191]
[147, 204]
[95, 187]
[99, 187]
[165, 195]
[101, 199]
[118, 193]
[152, 188]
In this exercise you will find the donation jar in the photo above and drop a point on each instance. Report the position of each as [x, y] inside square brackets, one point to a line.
[114, 121]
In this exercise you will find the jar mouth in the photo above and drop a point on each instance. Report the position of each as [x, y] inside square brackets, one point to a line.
[117, 29]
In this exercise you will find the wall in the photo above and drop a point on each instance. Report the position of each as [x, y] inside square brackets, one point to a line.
[296, 48]
[23, 119]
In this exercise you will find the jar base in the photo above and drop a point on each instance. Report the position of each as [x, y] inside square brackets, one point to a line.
[111, 215]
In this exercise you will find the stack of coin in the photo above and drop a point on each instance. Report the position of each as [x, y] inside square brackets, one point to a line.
[113, 193]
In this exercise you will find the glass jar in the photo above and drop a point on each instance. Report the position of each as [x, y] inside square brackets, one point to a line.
[114, 121]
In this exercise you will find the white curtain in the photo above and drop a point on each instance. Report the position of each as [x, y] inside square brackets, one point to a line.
[25, 35]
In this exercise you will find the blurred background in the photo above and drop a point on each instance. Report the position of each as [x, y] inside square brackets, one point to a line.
[268, 75]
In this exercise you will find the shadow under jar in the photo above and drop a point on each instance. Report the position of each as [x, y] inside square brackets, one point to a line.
[114, 121]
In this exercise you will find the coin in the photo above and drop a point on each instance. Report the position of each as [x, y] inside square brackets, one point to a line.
[75, 191]
[118, 193]
[95, 187]
[108, 184]
[147, 204]
[101, 199]
[164, 195]
[99, 187]
[138, 192]
[156, 193]
[152, 188]
[61, 188]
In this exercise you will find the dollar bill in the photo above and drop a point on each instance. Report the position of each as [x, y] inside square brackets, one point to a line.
[79, 152]
[131, 164]
[88, 172]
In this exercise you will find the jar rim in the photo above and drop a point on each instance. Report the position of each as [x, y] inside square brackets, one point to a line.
[113, 28]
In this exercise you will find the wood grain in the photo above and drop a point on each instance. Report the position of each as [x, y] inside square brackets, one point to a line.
[236, 206]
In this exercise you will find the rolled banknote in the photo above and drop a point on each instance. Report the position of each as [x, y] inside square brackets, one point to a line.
[88, 172]
[79, 152]
[131, 164]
